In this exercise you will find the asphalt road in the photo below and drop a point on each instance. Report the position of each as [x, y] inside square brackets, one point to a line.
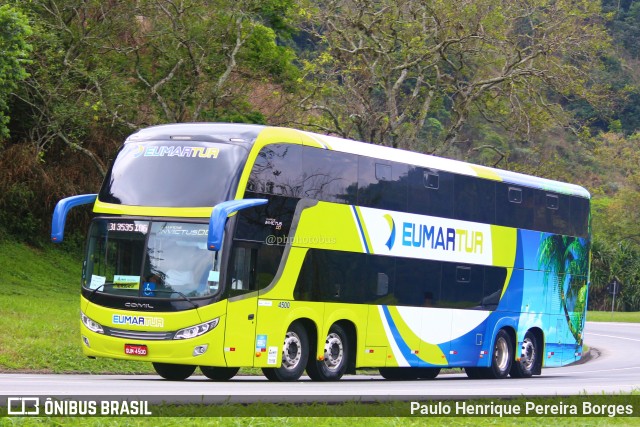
[613, 367]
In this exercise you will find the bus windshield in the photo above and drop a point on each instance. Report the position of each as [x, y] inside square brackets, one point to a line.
[150, 259]
[173, 173]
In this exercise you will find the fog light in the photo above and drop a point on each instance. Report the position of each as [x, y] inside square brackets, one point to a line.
[200, 349]
[86, 341]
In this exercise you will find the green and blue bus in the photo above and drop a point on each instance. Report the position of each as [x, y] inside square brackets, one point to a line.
[223, 246]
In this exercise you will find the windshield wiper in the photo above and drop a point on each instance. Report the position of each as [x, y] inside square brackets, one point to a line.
[94, 292]
[176, 292]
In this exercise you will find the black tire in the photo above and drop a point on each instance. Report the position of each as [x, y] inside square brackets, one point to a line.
[172, 372]
[476, 373]
[219, 373]
[295, 354]
[501, 357]
[337, 351]
[427, 373]
[399, 374]
[529, 356]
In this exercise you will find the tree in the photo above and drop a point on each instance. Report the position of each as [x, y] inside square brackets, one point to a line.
[411, 73]
[14, 51]
[104, 68]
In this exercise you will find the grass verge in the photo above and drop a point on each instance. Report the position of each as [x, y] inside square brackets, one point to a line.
[607, 316]
[40, 306]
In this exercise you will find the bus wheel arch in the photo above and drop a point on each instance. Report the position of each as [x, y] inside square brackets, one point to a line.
[295, 354]
[338, 354]
[529, 355]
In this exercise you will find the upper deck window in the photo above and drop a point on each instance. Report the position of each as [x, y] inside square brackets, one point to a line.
[173, 173]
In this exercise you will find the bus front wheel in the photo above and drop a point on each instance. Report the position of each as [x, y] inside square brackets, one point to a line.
[336, 355]
[295, 353]
[218, 373]
[172, 372]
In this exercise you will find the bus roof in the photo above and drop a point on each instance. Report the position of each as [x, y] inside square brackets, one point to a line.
[246, 134]
[208, 132]
[447, 165]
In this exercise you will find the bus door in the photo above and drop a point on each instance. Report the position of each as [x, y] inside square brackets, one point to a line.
[240, 332]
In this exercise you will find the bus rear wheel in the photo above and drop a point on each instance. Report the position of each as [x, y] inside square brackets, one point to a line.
[295, 353]
[336, 355]
[502, 356]
[524, 367]
[172, 372]
[218, 373]
[501, 360]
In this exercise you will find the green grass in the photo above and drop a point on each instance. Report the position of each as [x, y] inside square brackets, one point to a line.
[606, 316]
[40, 306]
[322, 422]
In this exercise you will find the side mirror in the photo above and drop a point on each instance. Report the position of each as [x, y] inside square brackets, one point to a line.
[62, 210]
[219, 217]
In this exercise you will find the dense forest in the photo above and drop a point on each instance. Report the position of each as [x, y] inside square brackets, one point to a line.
[546, 87]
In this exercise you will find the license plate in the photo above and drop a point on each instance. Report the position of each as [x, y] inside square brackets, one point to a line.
[135, 349]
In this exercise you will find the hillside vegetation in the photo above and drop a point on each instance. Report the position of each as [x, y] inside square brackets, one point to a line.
[546, 88]
[40, 321]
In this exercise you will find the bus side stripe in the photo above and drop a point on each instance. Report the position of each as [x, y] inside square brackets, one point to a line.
[363, 227]
[363, 237]
[400, 344]
[392, 342]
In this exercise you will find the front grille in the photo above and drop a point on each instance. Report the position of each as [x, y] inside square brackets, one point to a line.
[138, 335]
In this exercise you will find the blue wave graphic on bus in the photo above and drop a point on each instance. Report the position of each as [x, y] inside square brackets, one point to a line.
[410, 357]
[392, 226]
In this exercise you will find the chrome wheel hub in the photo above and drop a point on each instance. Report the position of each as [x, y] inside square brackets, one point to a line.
[333, 352]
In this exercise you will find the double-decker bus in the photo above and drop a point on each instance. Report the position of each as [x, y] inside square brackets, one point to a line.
[224, 246]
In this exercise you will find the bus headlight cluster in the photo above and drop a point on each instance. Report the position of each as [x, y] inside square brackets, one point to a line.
[196, 331]
[91, 325]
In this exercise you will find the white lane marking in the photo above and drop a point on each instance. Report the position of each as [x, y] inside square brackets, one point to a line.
[613, 336]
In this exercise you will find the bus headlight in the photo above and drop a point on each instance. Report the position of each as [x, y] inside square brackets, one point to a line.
[91, 325]
[196, 331]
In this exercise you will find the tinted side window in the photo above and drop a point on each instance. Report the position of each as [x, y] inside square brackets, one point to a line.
[514, 206]
[271, 219]
[267, 263]
[462, 285]
[381, 184]
[252, 267]
[241, 272]
[329, 175]
[277, 170]
[552, 213]
[494, 281]
[334, 276]
[474, 199]
[418, 282]
[579, 216]
[430, 192]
